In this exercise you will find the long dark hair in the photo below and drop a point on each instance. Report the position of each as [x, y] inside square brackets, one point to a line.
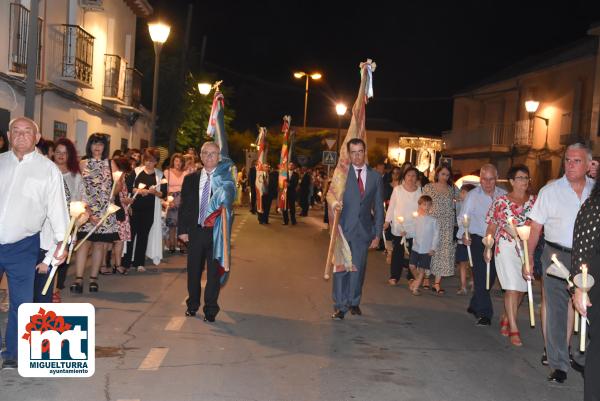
[436, 176]
[97, 138]
[72, 162]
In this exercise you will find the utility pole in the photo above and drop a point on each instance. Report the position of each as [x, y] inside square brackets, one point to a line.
[32, 59]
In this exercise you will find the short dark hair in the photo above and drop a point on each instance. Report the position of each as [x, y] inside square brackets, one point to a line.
[44, 145]
[467, 187]
[355, 141]
[512, 172]
[424, 199]
[409, 169]
[151, 153]
[97, 137]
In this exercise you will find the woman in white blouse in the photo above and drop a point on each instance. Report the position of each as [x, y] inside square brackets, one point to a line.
[403, 204]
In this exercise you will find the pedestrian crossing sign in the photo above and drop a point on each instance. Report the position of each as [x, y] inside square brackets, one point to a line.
[329, 158]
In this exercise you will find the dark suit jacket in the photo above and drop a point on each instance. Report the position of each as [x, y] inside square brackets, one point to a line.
[189, 209]
[292, 185]
[362, 218]
[273, 187]
[252, 176]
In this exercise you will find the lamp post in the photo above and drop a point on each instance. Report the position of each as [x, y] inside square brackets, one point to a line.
[340, 110]
[532, 106]
[159, 32]
[204, 88]
[316, 76]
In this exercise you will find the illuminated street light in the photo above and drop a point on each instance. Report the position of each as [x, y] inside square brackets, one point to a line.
[340, 110]
[532, 107]
[204, 88]
[301, 74]
[159, 33]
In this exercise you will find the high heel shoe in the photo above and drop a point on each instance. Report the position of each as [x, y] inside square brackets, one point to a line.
[76, 287]
[93, 284]
[515, 338]
[504, 327]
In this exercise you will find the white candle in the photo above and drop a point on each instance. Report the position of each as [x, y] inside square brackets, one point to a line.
[583, 330]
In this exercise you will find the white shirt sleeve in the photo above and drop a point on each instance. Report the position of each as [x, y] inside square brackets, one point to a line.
[539, 212]
[389, 215]
[57, 206]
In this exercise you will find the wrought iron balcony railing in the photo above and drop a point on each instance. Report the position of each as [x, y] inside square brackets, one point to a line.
[114, 77]
[517, 133]
[133, 88]
[78, 56]
[18, 34]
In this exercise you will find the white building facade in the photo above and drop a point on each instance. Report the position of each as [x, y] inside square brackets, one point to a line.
[86, 80]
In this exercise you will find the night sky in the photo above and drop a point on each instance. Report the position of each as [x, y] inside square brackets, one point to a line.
[425, 51]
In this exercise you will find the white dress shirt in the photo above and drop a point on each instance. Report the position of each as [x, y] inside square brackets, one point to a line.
[556, 208]
[32, 190]
[403, 203]
[476, 206]
[363, 173]
[427, 234]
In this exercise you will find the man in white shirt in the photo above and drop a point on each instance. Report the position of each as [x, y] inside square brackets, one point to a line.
[476, 206]
[32, 191]
[555, 211]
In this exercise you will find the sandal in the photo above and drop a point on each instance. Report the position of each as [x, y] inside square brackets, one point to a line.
[93, 287]
[107, 271]
[504, 327]
[426, 284]
[393, 282]
[462, 291]
[76, 287]
[416, 292]
[122, 270]
[515, 338]
[438, 290]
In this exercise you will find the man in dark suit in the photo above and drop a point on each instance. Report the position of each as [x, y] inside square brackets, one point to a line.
[361, 220]
[290, 212]
[304, 193]
[196, 192]
[271, 194]
[252, 183]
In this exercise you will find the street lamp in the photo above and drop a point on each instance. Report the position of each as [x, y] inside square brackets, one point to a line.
[204, 88]
[316, 76]
[159, 33]
[532, 106]
[340, 110]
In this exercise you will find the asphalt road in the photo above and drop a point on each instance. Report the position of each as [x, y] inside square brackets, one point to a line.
[274, 340]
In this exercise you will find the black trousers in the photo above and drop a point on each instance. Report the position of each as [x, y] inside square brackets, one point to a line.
[253, 198]
[266, 203]
[290, 213]
[200, 253]
[61, 276]
[481, 302]
[400, 258]
[141, 223]
[304, 203]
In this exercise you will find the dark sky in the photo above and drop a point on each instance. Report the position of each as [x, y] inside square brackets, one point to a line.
[426, 51]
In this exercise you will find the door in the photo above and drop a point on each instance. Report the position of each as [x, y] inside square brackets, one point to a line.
[81, 136]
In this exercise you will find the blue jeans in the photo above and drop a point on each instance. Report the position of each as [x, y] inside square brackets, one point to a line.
[18, 261]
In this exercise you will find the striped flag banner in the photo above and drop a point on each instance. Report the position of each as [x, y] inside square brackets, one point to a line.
[261, 168]
[283, 163]
[342, 258]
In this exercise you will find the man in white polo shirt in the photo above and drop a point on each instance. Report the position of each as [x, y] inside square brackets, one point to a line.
[555, 211]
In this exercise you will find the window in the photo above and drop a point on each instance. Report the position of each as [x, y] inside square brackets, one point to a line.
[143, 144]
[60, 130]
[124, 145]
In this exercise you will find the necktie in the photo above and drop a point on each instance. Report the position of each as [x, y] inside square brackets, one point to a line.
[361, 185]
[204, 200]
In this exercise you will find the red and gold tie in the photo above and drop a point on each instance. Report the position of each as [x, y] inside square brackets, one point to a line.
[361, 185]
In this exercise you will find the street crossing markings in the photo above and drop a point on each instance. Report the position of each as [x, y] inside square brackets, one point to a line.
[154, 358]
[175, 323]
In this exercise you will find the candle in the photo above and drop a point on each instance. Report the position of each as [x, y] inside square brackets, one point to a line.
[110, 210]
[140, 186]
[415, 214]
[584, 288]
[523, 232]
[170, 198]
[466, 227]
[488, 242]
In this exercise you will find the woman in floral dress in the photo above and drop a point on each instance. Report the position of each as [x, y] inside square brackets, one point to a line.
[96, 171]
[444, 194]
[514, 206]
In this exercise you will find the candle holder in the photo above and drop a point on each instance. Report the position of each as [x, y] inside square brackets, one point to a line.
[584, 281]
[488, 243]
[524, 232]
[466, 224]
[110, 210]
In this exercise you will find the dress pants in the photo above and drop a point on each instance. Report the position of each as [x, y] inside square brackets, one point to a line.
[347, 286]
[252, 198]
[141, 223]
[591, 385]
[290, 213]
[304, 203]
[18, 261]
[200, 253]
[40, 281]
[481, 301]
[266, 203]
[400, 258]
[557, 306]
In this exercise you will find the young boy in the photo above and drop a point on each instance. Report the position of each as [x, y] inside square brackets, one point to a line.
[462, 258]
[425, 242]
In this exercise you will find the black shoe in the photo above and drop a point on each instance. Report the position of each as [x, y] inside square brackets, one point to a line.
[471, 311]
[76, 287]
[338, 315]
[483, 321]
[355, 310]
[9, 364]
[544, 359]
[557, 376]
[285, 224]
[93, 286]
[190, 313]
[577, 367]
[209, 319]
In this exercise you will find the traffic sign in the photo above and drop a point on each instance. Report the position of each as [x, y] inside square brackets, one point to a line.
[329, 158]
[330, 143]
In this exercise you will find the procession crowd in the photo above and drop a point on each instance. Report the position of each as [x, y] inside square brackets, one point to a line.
[433, 230]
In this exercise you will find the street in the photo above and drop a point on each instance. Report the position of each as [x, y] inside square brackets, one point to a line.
[274, 340]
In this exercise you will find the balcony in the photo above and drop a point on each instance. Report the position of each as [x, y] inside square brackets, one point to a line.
[577, 127]
[18, 34]
[114, 78]
[78, 56]
[487, 138]
[133, 88]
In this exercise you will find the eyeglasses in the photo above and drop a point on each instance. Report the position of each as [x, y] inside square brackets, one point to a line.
[210, 154]
[522, 178]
